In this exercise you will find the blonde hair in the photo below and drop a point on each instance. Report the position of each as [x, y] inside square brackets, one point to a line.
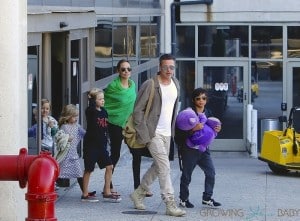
[67, 112]
[45, 101]
[94, 92]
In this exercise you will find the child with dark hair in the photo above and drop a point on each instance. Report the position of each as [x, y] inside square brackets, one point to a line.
[190, 157]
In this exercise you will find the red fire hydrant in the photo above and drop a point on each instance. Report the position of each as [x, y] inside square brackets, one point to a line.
[41, 173]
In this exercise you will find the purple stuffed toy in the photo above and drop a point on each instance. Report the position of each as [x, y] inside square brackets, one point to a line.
[187, 119]
[200, 139]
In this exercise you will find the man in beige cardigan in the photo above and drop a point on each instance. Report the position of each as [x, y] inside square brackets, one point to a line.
[156, 132]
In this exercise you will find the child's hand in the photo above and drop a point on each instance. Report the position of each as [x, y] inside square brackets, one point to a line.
[218, 128]
[70, 139]
[198, 126]
[50, 124]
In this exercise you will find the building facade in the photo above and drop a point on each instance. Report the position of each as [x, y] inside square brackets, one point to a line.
[75, 46]
[245, 54]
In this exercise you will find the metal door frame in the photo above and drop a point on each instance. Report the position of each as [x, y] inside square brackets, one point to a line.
[80, 35]
[229, 144]
[75, 35]
[288, 81]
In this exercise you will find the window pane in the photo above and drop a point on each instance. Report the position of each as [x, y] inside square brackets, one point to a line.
[218, 81]
[293, 42]
[129, 3]
[32, 95]
[103, 40]
[223, 41]
[103, 49]
[103, 68]
[145, 75]
[185, 73]
[185, 41]
[85, 56]
[75, 71]
[266, 42]
[149, 40]
[296, 87]
[124, 39]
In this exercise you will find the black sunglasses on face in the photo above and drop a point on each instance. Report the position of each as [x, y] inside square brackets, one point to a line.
[200, 98]
[124, 69]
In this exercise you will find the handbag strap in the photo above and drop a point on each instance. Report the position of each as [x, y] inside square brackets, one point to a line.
[150, 99]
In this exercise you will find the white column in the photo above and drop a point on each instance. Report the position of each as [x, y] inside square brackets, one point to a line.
[254, 133]
[166, 28]
[13, 104]
[249, 122]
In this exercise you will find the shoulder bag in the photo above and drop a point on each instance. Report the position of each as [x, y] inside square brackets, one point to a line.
[129, 131]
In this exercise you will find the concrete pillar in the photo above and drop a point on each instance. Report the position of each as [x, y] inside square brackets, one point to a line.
[13, 104]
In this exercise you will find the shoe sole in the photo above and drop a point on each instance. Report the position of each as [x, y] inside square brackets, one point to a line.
[176, 215]
[112, 200]
[184, 206]
[90, 201]
[190, 207]
[210, 206]
[113, 193]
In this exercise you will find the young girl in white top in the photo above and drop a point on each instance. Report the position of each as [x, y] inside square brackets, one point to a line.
[49, 127]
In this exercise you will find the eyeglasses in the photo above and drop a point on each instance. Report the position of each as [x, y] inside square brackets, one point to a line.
[124, 69]
[166, 67]
[200, 98]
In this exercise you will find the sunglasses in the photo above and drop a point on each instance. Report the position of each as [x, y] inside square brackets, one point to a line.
[200, 98]
[166, 67]
[124, 69]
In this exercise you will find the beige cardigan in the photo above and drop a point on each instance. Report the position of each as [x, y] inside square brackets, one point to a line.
[146, 129]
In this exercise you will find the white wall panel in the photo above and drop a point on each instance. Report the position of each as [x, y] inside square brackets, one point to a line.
[244, 10]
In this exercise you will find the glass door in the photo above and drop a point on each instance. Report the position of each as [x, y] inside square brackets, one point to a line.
[77, 68]
[293, 87]
[227, 84]
[75, 72]
[33, 95]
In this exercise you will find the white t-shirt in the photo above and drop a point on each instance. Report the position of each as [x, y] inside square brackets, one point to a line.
[169, 95]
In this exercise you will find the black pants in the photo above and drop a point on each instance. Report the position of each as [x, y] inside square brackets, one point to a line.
[136, 164]
[116, 138]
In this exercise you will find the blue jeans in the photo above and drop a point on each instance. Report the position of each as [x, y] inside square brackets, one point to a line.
[191, 158]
